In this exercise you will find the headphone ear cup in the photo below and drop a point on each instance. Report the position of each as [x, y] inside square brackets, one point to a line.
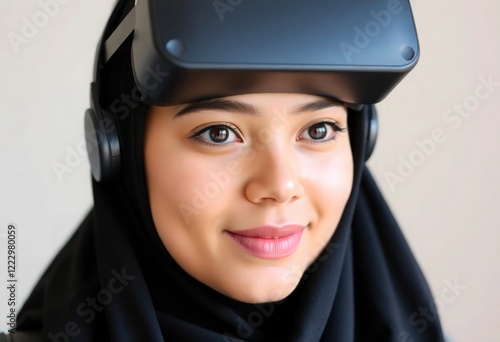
[103, 144]
[372, 132]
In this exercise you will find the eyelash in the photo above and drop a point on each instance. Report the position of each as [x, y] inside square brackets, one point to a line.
[335, 125]
[231, 127]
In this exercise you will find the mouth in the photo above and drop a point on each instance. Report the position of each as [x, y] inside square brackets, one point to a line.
[269, 242]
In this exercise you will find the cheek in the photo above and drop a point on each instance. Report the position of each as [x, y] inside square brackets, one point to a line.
[176, 185]
[328, 185]
[338, 176]
[186, 190]
[330, 177]
[172, 181]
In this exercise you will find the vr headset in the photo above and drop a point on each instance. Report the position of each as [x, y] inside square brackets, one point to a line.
[354, 51]
[186, 50]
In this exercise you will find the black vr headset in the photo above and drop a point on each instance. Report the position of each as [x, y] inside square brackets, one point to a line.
[355, 51]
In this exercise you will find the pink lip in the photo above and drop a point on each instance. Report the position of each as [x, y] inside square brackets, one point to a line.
[269, 242]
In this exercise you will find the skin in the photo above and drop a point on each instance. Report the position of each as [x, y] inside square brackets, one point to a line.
[281, 162]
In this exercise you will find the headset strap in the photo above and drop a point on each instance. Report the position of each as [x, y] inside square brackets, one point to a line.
[121, 33]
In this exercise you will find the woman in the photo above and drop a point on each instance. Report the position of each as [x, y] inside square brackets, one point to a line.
[245, 213]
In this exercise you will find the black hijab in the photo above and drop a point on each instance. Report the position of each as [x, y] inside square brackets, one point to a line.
[115, 281]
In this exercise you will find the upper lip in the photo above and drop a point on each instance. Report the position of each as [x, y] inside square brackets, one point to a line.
[270, 231]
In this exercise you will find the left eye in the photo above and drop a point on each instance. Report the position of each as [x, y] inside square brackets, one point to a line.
[217, 135]
[320, 132]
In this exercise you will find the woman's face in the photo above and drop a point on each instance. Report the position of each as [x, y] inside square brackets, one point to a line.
[245, 191]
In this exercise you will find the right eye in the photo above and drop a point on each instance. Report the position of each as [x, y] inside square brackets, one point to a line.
[319, 132]
[219, 134]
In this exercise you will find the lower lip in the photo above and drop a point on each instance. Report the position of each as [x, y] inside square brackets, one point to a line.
[268, 248]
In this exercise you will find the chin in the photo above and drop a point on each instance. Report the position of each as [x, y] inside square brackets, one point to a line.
[264, 290]
[257, 298]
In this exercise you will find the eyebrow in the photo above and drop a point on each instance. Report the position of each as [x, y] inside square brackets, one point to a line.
[248, 109]
[218, 104]
[313, 106]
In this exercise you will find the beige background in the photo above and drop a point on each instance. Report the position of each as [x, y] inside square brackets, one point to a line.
[447, 205]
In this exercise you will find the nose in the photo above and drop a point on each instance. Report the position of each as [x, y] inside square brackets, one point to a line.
[274, 177]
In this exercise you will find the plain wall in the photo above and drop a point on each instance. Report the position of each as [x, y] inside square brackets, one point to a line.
[444, 193]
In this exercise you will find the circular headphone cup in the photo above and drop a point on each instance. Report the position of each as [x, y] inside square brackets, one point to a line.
[103, 143]
[372, 132]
